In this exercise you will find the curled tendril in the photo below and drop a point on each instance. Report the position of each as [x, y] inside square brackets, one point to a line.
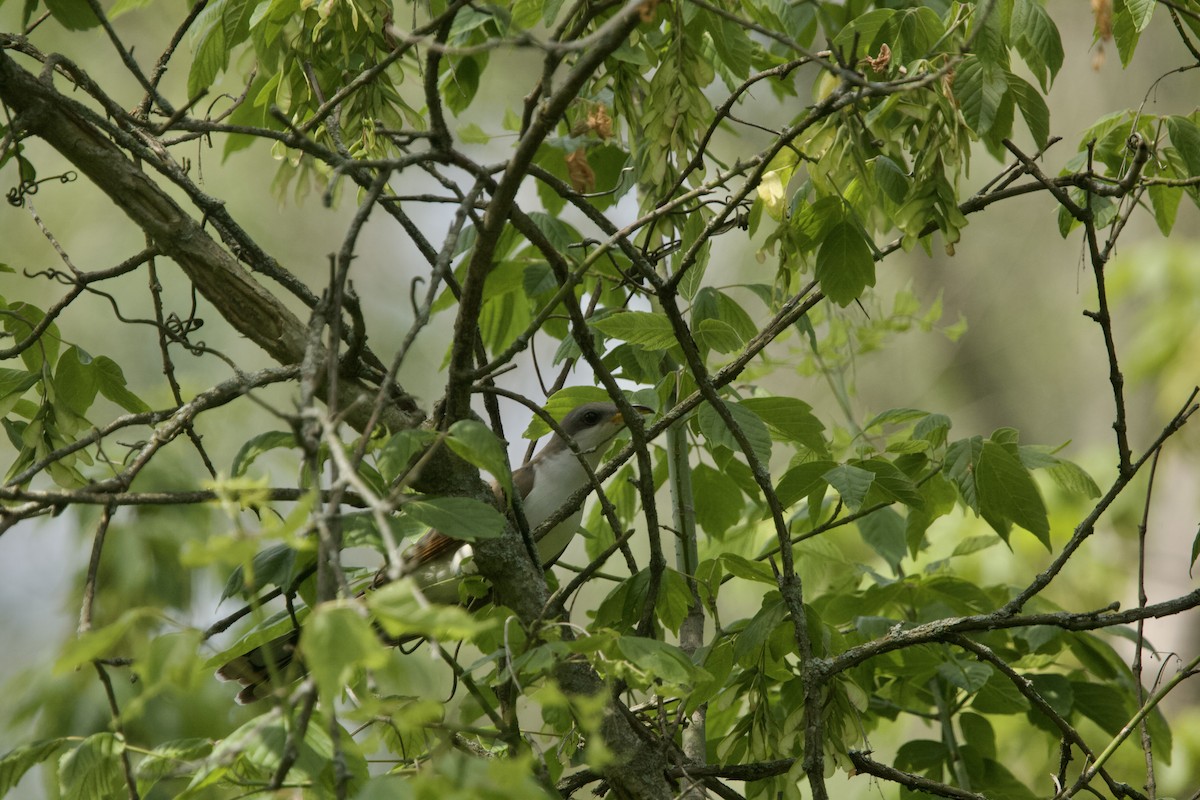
[179, 329]
[17, 194]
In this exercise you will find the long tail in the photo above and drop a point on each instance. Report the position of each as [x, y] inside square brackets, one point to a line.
[253, 670]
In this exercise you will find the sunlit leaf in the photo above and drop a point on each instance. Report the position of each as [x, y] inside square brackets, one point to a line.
[336, 641]
[651, 331]
[93, 768]
[16, 762]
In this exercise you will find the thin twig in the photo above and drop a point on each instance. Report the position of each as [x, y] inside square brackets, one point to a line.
[1139, 650]
[118, 726]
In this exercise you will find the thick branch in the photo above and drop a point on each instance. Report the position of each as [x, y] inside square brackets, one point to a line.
[610, 36]
[252, 310]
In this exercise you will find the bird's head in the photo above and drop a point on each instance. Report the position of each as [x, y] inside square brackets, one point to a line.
[591, 426]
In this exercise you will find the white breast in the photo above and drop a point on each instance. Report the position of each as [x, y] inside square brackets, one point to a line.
[558, 478]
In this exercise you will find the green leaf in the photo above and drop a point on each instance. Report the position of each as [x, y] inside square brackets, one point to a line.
[894, 416]
[256, 446]
[962, 460]
[112, 385]
[261, 744]
[1001, 783]
[890, 484]
[845, 265]
[1033, 108]
[1097, 656]
[526, 13]
[337, 641]
[19, 322]
[398, 611]
[538, 279]
[978, 733]
[717, 433]
[744, 568]
[863, 30]
[750, 641]
[473, 134]
[125, 6]
[557, 232]
[1185, 137]
[792, 419]
[674, 600]
[851, 483]
[802, 480]
[812, 223]
[74, 15]
[15, 382]
[397, 453]
[974, 544]
[999, 696]
[16, 762]
[917, 30]
[1140, 12]
[1195, 551]
[883, 531]
[658, 660]
[75, 381]
[278, 565]
[980, 88]
[473, 441]
[1007, 493]
[1125, 31]
[732, 44]
[165, 760]
[933, 429]
[718, 335]
[461, 517]
[1037, 40]
[1074, 478]
[970, 676]
[713, 304]
[922, 755]
[1103, 704]
[718, 502]
[891, 179]
[93, 769]
[211, 51]
[647, 330]
[100, 643]
[461, 81]
[1165, 202]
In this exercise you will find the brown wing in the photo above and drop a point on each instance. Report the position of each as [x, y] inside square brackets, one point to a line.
[522, 479]
[435, 544]
[430, 547]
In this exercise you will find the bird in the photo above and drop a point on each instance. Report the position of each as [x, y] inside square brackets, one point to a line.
[437, 562]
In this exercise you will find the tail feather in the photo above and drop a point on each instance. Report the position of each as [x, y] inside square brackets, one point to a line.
[254, 670]
[277, 663]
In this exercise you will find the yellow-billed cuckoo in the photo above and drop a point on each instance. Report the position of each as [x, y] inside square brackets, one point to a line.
[438, 561]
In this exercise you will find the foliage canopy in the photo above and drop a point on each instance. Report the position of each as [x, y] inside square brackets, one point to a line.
[767, 588]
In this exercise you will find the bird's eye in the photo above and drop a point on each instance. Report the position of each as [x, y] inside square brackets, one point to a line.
[591, 418]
